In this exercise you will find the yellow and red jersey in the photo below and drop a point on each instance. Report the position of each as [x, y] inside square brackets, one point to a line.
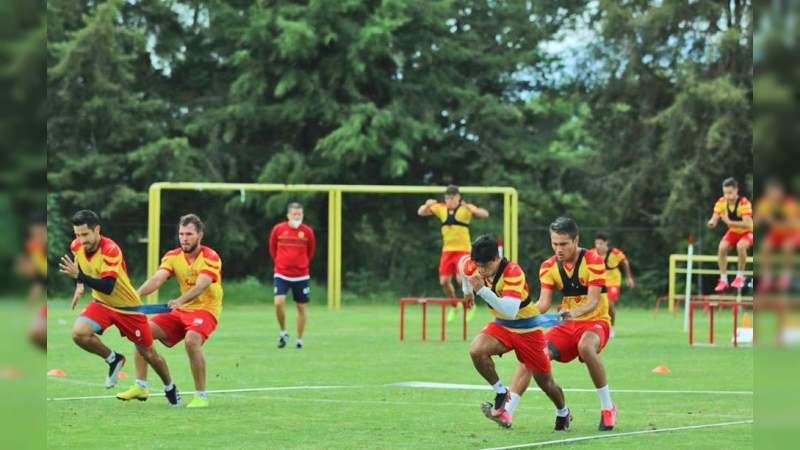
[207, 263]
[511, 282]
[612, 260]
[37, 252]
[783, 215]
[455, 227]
[740, 209]
[107, 261]
[556, 275]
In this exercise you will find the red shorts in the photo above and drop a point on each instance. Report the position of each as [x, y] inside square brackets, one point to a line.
[776, 239]
[613, 292]
[448, 263]
[529, 347]
[733, 238]
[177, 323]
[132, 326]
[563, 339]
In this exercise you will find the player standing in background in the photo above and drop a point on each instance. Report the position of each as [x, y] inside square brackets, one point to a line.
[778, 212]
[502, 285]
[32, 264]
[737, 213]
[456, 215]
[98, 263]
[580, 277]
[612, 258]
[291, 245]
[194, 315]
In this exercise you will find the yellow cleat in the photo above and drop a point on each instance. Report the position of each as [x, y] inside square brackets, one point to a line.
[198, 402]
[134, 392]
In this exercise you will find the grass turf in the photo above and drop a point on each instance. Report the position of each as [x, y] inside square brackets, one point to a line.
[357, 349]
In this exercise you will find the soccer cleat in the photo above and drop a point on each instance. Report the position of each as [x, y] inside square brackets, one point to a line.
[198, 402]
[282, 340]
[501, 418]
[608, 418]
[562, 423]
[784, 282]
[721, 285]
[298, 344]
[764, 286]
[500, 400]
[134, 392]
[453, 312]
[613, 333]
[113, 370]
[471, 313]
[173, 396]
[738, 282]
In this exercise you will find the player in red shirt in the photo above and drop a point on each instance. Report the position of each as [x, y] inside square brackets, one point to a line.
[291, 245]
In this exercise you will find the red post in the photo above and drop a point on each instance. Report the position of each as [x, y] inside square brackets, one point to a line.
[424, 317]
[443, 305]
[402, 317]
[711, 323]
[690, 305]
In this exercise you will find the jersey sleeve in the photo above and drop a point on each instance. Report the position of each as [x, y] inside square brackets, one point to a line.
[74, 247]
[745, 208]
[619, 255]
[167, 264]
[212, 265]
[597, 271]
[112, 261]
[719, 207]
[273, 242]
[546, 277]
[439, 210]
[513, 282]
[464, 214]
[312, 243]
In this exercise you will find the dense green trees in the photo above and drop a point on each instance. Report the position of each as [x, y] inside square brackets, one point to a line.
[624, 115]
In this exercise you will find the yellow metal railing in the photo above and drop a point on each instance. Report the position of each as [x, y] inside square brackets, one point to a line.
[674, 270]
[334, 191]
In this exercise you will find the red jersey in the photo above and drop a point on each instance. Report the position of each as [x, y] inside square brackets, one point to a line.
[292, 250]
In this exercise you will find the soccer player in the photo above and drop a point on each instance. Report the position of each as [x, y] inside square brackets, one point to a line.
[98, 263]
[580, 277]
[456, 215]
[198, 272]
[737, 213]
[612, 258]
[779, 212]
[291, 245]
[32, 264]
[502, 285]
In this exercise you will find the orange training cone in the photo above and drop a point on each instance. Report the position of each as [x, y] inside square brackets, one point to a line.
[122, 375]
[661, 369]
[746, 321]
[56, 373]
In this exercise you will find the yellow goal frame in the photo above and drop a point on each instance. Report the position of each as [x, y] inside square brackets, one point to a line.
[335, 191]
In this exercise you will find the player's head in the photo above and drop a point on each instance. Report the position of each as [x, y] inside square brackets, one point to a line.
[86, 226]
[485, 255]
[294, 212]
[774, 189]
[730, 189]
[601, 241]
[190, 232]
[37, 229]
[452, 197]
[564, 238]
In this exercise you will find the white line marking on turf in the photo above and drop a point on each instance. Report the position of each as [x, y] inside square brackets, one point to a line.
[219, 391]
[483, 387]
[613, 435]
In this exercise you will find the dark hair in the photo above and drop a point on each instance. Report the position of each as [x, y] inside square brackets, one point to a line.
[294, 205]
[85, 217]
[484, 249]
[565, 225]
[730, 182]
[452, 190]
[602, 235]
[192, 219]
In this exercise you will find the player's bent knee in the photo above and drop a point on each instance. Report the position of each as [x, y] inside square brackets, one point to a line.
[193, 340]
[742, 246]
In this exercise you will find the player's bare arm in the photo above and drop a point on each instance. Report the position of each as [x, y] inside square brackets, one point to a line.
[203, 282]
[153, 283]
[592, 299]
[476, 211]
[425, 208]
[545, 300]
[628, 275]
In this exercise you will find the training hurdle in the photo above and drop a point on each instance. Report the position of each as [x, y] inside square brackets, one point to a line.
[424, 301]
[713, 305]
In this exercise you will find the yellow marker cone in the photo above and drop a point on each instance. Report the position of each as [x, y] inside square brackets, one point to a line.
[661, 369]
[746, 321]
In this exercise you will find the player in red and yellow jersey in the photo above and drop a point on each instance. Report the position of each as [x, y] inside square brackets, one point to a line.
[456, 215]
[99, 264]
[737, 212]
[612, 258]
[779, 213]
[502, 285]
[581, 279]
[32, 265]
[194, 315]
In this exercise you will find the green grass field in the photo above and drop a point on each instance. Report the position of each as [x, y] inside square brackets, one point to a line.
[338, 393]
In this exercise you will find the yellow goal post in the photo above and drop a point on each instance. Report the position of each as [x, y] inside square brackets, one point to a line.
[334, 191]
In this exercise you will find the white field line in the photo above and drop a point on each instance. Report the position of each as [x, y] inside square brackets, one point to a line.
[616, 435]
[220, 391]
[483, 387]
